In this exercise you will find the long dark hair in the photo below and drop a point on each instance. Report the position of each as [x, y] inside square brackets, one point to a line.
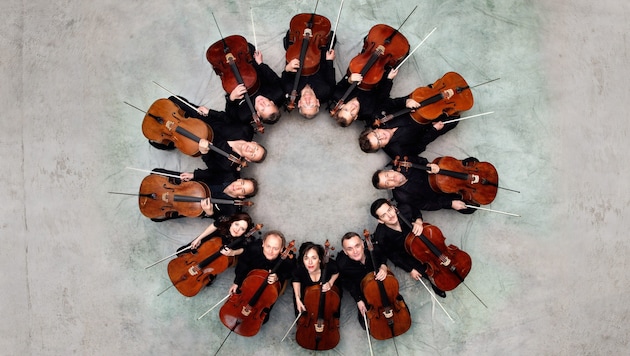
[223, 226]
[319, 249]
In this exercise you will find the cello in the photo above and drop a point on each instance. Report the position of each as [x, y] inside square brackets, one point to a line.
[476, 182]
[433, 103]
[387, 311]
[165, 122]
[245, 312]
[160, 198]
[232, 62]
[447, 266]
[191, 271]
[308, 34]
[383, 48]
[318, 328]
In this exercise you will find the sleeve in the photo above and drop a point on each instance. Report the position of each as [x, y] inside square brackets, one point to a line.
[243, 267]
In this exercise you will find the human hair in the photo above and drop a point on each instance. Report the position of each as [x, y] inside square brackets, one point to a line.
[272, 118]
[307, 246]
[348, 236]
[223, 225]
[275, 232]
[364, 141]
[308, 116]
[377, 205]
[376, 179]
[342, 121]
[254, 185]
[264, 155]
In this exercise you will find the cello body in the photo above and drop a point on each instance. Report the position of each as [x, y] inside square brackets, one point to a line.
[318, 28]
[383, 48]
[159, 198]
[165, 122]
[447, 266]
[190, 272]
[387, 312]
[433, 104]
[476, 182]
[318, 327]
[230, 58]
[245, 312]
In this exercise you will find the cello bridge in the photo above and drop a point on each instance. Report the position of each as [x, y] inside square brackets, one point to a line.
[475, 179]
[246, 310]
[319, 328]
[388, 313]
[169, 125]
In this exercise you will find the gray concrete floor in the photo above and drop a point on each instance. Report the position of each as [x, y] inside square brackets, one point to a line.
[554, 280]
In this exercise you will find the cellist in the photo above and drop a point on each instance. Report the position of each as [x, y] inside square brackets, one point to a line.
[390, 235]
[221, 187]
[412, 187]
[267, 99]
[264, 254]
[354, 264]
[401, 135]
[228, 229]
[308, 273]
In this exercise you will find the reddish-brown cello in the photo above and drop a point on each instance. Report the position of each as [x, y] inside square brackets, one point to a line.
[476, 182]
[318, 327]
[233, 63]
[160, 198]
[191, 271]
[245, 312]
[165, 122]
[308, 34]
[383, 48]
[387, 312]
[433, 103]
[447, 266]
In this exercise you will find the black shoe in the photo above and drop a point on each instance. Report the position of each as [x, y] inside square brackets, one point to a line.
[438, 291]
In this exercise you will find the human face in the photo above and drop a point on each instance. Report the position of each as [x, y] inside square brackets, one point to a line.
[240, 188]
[272, 246]
[252, 151]
[238, 228]
[308, 103]
[353, 247]
[264, 107]
[311, 260]
[391, 179]
[379, 138]
[350, 110]
[387, 215]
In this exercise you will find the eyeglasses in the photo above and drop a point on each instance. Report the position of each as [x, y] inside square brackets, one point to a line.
[379, 143]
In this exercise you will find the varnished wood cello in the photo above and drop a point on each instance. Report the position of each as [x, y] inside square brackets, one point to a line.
[387, 312]
[245, 312]
[193, 270]
[161, 198]
[318, 327]
[233, 63]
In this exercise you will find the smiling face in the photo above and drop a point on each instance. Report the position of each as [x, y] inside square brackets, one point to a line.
[240, 188]
[311, 260]
[387, 215]
[252, 151]
[272, 246]
[353, 248]
[379, 138]
[238, 228]
[391, 179]
[264, 107]
[308, 104]
[348, 112]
